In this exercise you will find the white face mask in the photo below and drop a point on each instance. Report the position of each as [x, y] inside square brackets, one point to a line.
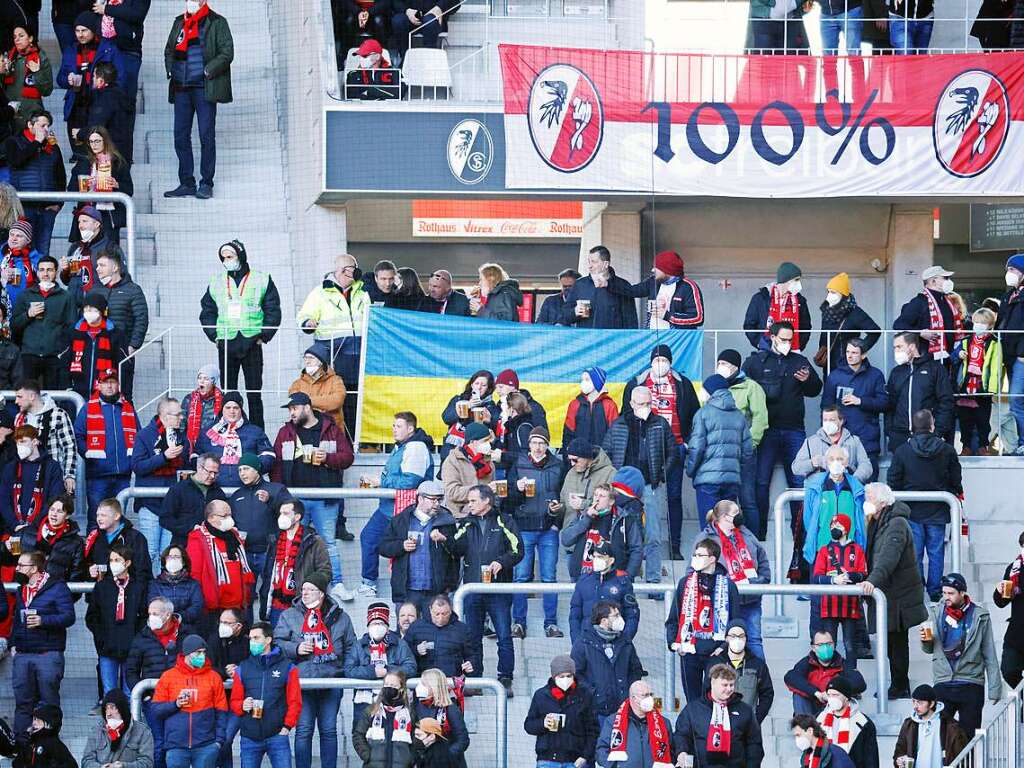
[980, 328]
[225, 524]
[46, 285]
[697, 563]
[422, 692]
[92, 316]
[947, 286]
[106, 279]
[836, 468]
[783, 347]
[230, 264]
[832, 298]
[830, 427]
[803, 743]
[900, 356]
[86, 234]
[155, 623]
[376, 631]
[617, 624]
[191, 6]
[586, 386]
[312, 370]
[835, 703]
[737, 645]
[600, 564]
[642, 413]
[725, 371]
[24, 451]
[565, 683]
[116, 568]
[284, 522]
[224, 631]
[1012, 279]
[113, 723]
[647, 704]
[795, 287]
[660, 368]
[312, 602]
[869, 508]
[173, 565]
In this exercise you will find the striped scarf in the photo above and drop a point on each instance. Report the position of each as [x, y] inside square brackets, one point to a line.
[104, 359]
[784, 306]
[37, 493]
[842, 727]
[940, 345]
[401, 725]
[282, 579]
[220, 557]
[122, 583]
[34, 586]
[96, 429]
[701, 615]
[195, 412]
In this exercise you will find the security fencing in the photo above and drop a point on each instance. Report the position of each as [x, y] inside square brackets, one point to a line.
[779, 568]
[296, 493]
[998, 743]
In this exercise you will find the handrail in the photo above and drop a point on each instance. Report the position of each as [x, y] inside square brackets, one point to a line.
[95, 197]
[296, 493]
[143, 687]
[797, 494]
[973, 755]
[437, 20]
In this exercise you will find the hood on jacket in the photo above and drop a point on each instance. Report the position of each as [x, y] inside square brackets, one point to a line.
[187, 669]
[939, 706]
[628, 479]
[510, 287]
[600, 462]
[48, 402]
[51, 715]
[722, 400]
[419, 436]
[118, 698]
[926, 446]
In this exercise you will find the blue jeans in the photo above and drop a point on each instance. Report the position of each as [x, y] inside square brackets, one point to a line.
[191, 104]
[35, 678]
[545, 544]
[157, 538]
[65, 34]
[369, 540]
[224, 757]
[1017, 399]
[910, 35]
[112, 674]
[692, 666]
[554, 764]
[709, 494]
[499, 608]
[748, 496]
[674, 490]
[401, 26]
[777, 445]
[849, 24]
[802, 706]
[751, 615]
[41, 220]
[128, 67]
[324, 517]
[276, 748]
[320, 709]
[101, 488]
[655, 505]
[156, 727]
[197, 757]
[930, 537]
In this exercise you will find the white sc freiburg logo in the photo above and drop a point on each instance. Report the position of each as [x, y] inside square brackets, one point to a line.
[470, 151]
[565, 117]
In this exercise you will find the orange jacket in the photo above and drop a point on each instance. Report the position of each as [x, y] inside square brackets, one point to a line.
[204, 719]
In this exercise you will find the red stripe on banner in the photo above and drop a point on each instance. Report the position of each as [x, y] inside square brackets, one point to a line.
[903, 90]
[968, 158]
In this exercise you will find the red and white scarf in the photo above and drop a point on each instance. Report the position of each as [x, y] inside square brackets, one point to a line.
[104, 358]
[29, 88]
[1015, 567]
[219, 556]
[842, 727]
[282, 579]
[107, 28]
[592, 539]
[34, 586]
[481, 462]
[190, 29]
[401, 725]
[784, 306]
[812, 757]
[657, 735]
[48, 534]
[316, 631]
[194, 421]
[37, 493]
[20, 259]
[84, 57]
[720, 730]
[122, 583]
[940, 344]
[225, 435]
[975, 363]
[95, 427]
[736, 557]
[702, 615]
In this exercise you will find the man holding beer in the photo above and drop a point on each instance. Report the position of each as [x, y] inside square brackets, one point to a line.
[490, 546]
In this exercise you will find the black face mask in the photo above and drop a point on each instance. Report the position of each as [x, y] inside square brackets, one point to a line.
[391, 697]
[21, 578]
[837, 533]
[738, 520]
[111, 399]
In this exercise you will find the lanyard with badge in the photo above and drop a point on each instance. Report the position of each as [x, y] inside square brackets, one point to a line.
[235, 305]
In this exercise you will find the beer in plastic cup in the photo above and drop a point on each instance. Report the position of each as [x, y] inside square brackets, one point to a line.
[307, 454]
[583, 307]
[317, 461]
[485, 574]
[927, 632]
[462, 409]
[1006, 587]
[28, 612]
[257, 709]
[501, 488]
[15, 545]
[481, 414]
[531, 488]
[84, 183]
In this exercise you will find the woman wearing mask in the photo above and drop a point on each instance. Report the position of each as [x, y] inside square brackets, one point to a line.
[175, 583]
[384, 737]
[815, 749]
[497, 297]
[117, 611]
[119, 740]
[846, 726]
[441, 727]
[842, 319]
[475, 402]
[102, 168]
[57, 537]
[96, 345]
[374, 653]
[977, 374]
[325, 388]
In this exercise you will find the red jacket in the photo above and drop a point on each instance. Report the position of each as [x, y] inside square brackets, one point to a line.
[850, 558]
[204, 720]
[332, 439]
[236, 591]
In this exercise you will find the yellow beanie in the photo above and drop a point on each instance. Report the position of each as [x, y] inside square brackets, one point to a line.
[840, 284]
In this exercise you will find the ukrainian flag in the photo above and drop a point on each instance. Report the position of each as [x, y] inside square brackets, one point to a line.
[417, 362]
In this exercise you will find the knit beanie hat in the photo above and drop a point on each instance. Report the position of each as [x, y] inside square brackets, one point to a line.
[598, 377]
[844, 521]
[23, 226]
[95, 299]
[629, 481]
[840, 284]
[378, 612]
[90, 210]
[732, 357]
[787, 271]
[541, 433]
[563, 665]
[233, 397]
[212, 372]
[90, 21]
[669, 262]
[191, 644]
[842, 685]
[581, 448]
[250, 460]
[476, 431]
[320, 354]
[1016, 261]
[508, 377]
[662, 350]
[318, 580]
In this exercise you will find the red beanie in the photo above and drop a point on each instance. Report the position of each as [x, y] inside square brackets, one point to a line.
[669, 262]
[508, 377]
[844, 520]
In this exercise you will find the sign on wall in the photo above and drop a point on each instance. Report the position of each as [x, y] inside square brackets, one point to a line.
[497, 218]
[997, 227]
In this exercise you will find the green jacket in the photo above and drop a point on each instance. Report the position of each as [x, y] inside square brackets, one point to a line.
[979, 659]
[218, 53]
[14, 91]
[600, 471]
[750, 400]
[49, 334]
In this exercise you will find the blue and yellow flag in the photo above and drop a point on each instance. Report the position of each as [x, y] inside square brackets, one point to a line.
[417, 362]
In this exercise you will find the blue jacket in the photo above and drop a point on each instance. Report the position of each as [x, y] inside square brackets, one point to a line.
[610, 307]
[56, 609]
[533, 513]
[551, 310]
[185, 593]
[720, 442]
[393, 475]
[869, 385]
[151, 467]
[105, 51]
[52, 486]
[253, 440]
[117, 462]
[813, 488]
[607, 678]
[591, 589]
[11, 290]
[258, 518]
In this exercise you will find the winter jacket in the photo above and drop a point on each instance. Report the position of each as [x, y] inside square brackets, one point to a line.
[894, 569]
[915, 315]
[705, 646]
[43, 473]
[753, 681]
[384, 751]
[185, 594]
[749, 398]
[459, 476]
[816, 521]
[756, 321]
[607, 678]
[784, 393]
[687, 403]
[818, 444]
[288, 636]
[148, 658]
[810, 675]
[857, 324]
[135, 749]
[720, 442]
[113, 638]
[661, 446]
[312, 559]
[42, 80]
[916, 385]
[610, 307]
[182, 507]
[951, 735]
[336, 316]
[121, 172]
[450, 417]
[64, 555]
[128, 536]
[333, 441]
[118, 461]
[593, 588]
[457, 305]
[867, 383]
[86, 355]
[327, 393]
[978, 659]
[444, 565]
[409, 464]
[691, 731]
[551, 310]
[149, 465]
[47, 335]
[274, 680]
[863, 751]
[588, 420]
[10, 364]
[1011, 310]
[253, 440]
[258, 518]
[205, 718]
[129, 18]
[225, 651]
[358, 665]
[445, 753]
[533, 513]
[24, 271]
[757, 549]
[503, 302]
[483, 540]
[638, 744]
[44, 750]
[450, 645]
[218, 53]
[576, 737]
[128, 309]
[622, 526]
[54, 606]
[1014, 637]
[599, 472]
[111, 108]
[991, 368]
[515, 440]
[264, 309]
[926, 463]
[685, 308]
[234, 593]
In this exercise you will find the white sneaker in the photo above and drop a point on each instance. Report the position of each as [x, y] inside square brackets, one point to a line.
[342, 593]
[366, 590]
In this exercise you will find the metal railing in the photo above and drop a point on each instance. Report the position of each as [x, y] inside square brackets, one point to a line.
[973, 755]
[797, 494]
[296, 493]
[998, 743]
[813, 590]
[349, 683]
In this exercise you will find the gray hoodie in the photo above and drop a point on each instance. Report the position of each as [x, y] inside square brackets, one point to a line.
[819, 443]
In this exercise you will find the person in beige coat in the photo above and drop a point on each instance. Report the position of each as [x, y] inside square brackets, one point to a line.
[325, 388]
[589, 467]
[467, 466]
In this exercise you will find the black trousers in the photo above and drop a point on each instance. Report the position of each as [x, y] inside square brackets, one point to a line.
[975, 420]
[246, 357]
[899, 660]
[1012, 665]
[966, 698]
[46, 369]
[127, 377]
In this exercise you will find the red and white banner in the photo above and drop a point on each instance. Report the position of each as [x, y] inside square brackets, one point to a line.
[763, 126]
[497, 218]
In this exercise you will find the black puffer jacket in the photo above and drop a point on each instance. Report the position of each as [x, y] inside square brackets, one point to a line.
[926, 463]
[921, 383]
[113, 638]
[147, 658]
[10, 364]
[127, 307]
[64, 555]
[691, 731]
[451, 645]
[573, 740]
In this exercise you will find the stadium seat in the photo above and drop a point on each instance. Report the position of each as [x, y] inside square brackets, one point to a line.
[427, 68]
